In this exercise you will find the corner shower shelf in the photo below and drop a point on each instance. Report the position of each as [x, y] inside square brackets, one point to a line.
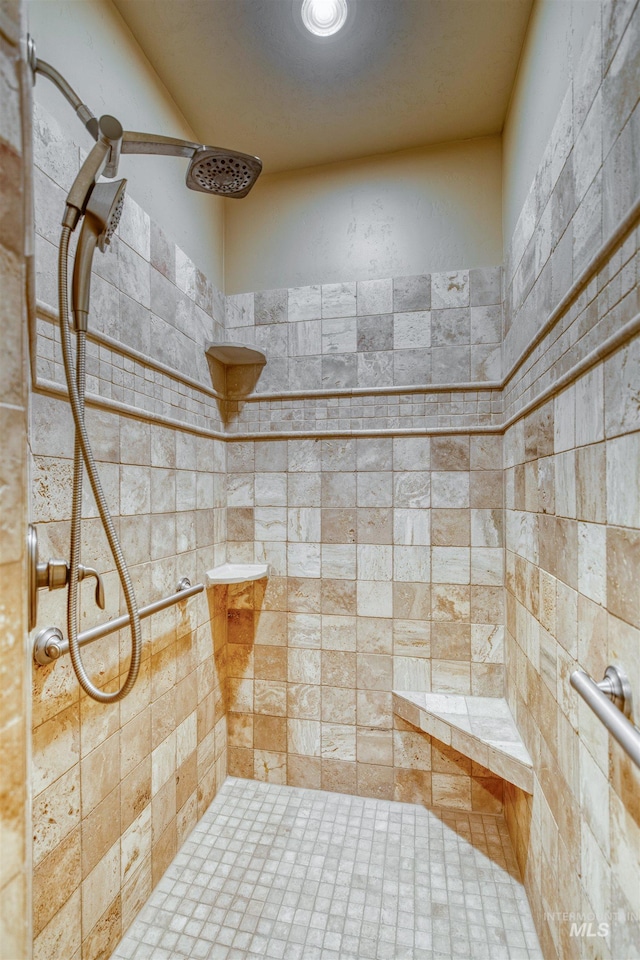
[236, 573]
[481, 728]
[236, 354]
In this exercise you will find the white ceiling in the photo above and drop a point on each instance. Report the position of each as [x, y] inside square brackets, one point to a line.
[401, 73]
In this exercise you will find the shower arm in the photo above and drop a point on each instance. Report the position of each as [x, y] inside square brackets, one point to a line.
[154, 143]
[40, 66]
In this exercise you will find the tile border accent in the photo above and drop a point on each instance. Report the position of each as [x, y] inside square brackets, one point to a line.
[615, 238]
[608, 346]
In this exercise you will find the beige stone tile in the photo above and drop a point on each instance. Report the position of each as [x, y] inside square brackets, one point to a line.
[338, 597]
[163, 763]
[411, 563]
[338, 704]
[339, 561]
[270, 663]
[373, 635]
[270, 696]
[163, 809]
[55, 879]
[451, 791]
[486, 795]
[411, 638]
[304, 630]
[374, 709]
[338, 742]
[374, 671]
[486, 489]
[451, 641]
[56, 811]
[375, 781]
[61, 936]
[411, 750]
[135, 792]
[56, 747]
[269, 766]
[451, 676]
[163, 852]
[304, 772]
[412, 786]
[270, 628]
[590, 407]
[187, 780]
[450, 527]
[339, 525]
[451, 565]
[304, 737]
[241, 695]
[339, 776]
[338, 668]
[304, 699]
[411, 673]
[338, 633]
[100, 830]
[411, 601]
[374, 746]
[270, 733]
[304, 594]
[375, 598]
[623, 561]
[622, 496]
[240, 762]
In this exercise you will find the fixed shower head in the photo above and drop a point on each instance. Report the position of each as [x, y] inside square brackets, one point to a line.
[101, 218]
[223, 172]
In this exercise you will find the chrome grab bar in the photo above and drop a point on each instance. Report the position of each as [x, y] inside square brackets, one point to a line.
[50, 644]
[610, 700]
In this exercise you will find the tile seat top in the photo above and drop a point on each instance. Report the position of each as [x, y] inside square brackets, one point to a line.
[482, 728]
[236, 573]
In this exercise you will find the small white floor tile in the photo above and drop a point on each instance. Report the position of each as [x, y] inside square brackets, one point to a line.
[292, 874]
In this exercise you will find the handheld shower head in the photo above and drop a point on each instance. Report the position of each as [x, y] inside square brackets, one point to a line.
[104, 209]
[102, 216]
[223, 172]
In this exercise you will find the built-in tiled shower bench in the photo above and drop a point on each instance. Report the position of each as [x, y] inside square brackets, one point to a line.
[481, 728]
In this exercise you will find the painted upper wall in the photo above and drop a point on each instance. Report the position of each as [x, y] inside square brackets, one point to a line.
[553, 44]
[412, 212]
[90, 44]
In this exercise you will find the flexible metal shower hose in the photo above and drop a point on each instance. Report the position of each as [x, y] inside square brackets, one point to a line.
[83, 452]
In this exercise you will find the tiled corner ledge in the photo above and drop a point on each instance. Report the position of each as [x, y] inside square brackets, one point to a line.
[481, 728]
[236, 573]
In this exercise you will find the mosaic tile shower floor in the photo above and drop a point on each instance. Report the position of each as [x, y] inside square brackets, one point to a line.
[294, 874]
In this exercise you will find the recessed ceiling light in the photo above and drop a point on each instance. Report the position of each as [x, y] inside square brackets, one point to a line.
[324, 17]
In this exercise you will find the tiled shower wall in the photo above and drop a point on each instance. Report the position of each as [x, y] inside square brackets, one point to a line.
[387, 560]
[116, 789]
[572, 505]
[14, 726]
[386, 551]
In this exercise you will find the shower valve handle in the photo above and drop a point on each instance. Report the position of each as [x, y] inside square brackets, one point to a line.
[55, 574]
[83, 573]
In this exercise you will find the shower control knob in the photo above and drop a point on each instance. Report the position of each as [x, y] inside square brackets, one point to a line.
[83, 573]
[52, 576]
